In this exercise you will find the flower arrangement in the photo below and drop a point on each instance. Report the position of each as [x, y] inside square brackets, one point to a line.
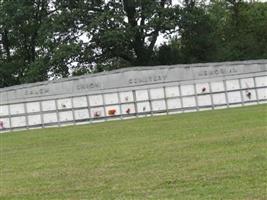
[112, 112]
[2, 125]
[97, 114]
[248, 94]
[128, 111]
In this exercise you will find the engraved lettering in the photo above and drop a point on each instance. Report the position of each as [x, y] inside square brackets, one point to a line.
[217, 72]
[87, 86]
[36, 92]
[148, 79]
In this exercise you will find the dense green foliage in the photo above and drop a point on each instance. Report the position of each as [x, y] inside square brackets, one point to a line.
[206, 155]
[220, 31]
[42, 39]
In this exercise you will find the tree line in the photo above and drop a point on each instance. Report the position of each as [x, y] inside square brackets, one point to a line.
[44, 39]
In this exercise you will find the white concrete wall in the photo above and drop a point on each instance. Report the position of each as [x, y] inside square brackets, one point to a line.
[150, 100]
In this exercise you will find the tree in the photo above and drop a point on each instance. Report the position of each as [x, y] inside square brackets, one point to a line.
[47, 39]
[37, 41]
[197, 33]
[245, 31]
[41, 39]
[218, 31]
[21, 39]
[169, 54]
[126, 31]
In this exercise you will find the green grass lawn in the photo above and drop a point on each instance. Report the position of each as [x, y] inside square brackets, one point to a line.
[214, 155]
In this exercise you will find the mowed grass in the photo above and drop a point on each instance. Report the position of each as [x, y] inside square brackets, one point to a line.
[218, 154]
